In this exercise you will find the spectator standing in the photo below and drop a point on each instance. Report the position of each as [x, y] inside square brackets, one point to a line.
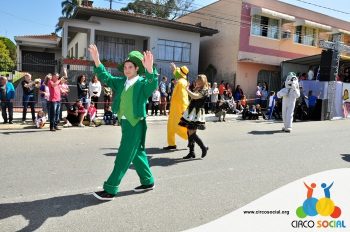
[171, 87]
[95, 89]
[163, 95]
[45, 95]
[28, 97]
[214, 96]
[64, 94]
[264, 96]
[156, 97]
[207, 105]
[55, 100]
[83, 90]
[107, 96]
[7, 94]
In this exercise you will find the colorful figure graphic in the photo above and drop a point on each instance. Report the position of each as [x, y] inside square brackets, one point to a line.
[313, 206]
[310, 190]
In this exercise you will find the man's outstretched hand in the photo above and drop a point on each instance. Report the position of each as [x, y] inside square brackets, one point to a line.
[148, 61]
[94, 54]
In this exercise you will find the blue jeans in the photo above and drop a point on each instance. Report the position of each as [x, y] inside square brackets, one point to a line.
[28, 100]
[7, 105]
[54, 114]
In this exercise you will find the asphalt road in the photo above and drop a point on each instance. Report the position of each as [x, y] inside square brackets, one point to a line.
[47, 178]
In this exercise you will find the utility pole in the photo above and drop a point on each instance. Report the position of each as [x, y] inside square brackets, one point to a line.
[110, 4]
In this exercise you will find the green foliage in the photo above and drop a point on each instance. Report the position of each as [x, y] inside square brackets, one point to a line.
[6, 63]
[11, 47]
[159, 8]
[68, 8]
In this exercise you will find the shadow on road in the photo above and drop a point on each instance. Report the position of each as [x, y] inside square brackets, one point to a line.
[149, 151]
[346, 157]
[37, 212]
[23, 131]
[271, 132]
[165, 162]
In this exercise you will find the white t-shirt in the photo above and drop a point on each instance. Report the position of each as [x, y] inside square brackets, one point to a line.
[214, 96]
[156, 96]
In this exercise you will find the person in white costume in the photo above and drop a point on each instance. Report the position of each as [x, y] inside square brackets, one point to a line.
[289, 94]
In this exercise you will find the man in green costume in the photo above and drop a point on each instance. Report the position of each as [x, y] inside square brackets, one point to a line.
[131, 94]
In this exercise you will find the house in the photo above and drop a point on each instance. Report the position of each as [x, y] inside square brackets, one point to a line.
[256, 36]
[38, 53]
[116, 33]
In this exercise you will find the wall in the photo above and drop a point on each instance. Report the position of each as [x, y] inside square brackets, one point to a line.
[152, 34]
[81, 39]
[247, 75]
[220, 49]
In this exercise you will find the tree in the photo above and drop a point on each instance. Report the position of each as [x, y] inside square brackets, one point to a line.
[11, 47]
[68, 8]
[6, 63]
[159, 8]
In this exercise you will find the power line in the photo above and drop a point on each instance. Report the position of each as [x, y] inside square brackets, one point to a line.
[24, 19]
[324, 7]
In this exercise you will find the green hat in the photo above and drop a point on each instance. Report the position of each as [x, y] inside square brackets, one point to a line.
[135, 57]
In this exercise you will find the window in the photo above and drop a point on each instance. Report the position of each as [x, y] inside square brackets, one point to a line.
[264, 26]
[114, 48]
[305, 35]
[76, 50]
[174, 51]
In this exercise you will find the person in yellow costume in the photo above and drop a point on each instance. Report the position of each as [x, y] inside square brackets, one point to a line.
[178, 105]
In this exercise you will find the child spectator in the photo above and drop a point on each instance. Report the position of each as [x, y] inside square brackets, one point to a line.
[75, 115]
[273, 109]
[242, 103]
[109, 117]
[259, 111]
[91, 114]
[155, 102]
[221, 109]
[40, 119]
[245, 113]
[253, 113]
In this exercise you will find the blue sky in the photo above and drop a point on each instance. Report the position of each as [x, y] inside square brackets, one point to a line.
[28, 17]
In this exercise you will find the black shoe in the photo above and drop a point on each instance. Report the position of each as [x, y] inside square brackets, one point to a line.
[189, 156]
[204, 152]
[103, 196]
[143, 188]
[52, 129]
[224, 120]
[170, 148]
[56, 128]
[10, 122]
[4, 122]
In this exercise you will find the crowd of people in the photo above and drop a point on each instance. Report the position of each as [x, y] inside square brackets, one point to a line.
[222, 99]
[54, 94]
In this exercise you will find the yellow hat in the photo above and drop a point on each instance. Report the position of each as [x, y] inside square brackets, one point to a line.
[181, 72]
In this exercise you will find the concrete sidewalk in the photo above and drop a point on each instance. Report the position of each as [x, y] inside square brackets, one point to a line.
[17, 120]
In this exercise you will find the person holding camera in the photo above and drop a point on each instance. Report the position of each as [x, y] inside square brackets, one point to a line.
[55, 100]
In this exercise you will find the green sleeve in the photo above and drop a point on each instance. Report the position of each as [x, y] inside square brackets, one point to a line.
[151, 83]
[106, 78]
